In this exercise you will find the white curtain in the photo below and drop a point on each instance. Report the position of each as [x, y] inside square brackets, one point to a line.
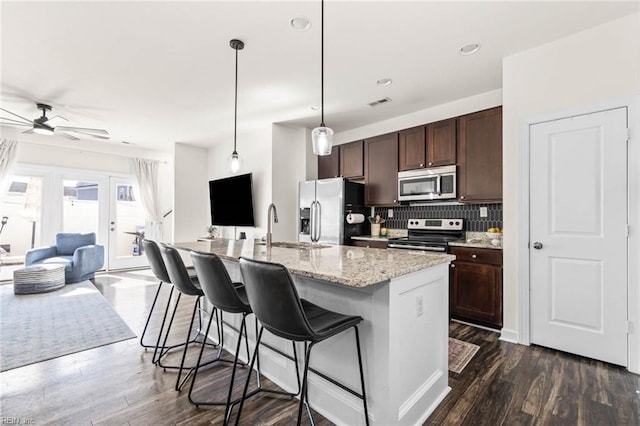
[8, 155]
[146, 172]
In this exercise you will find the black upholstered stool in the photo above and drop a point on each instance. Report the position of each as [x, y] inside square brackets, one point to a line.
[159, 270]
[189, 286]
[230, 297]
[275, 302]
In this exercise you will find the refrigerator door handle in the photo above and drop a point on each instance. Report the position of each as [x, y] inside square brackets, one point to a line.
[319, 219]
[312, 211]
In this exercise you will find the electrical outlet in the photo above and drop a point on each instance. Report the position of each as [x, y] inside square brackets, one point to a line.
[390, 213]
[419, 306]
[483, 212]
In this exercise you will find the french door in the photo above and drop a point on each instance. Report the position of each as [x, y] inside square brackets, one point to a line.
[126, 225]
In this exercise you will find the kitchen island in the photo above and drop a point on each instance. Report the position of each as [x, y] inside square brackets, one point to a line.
[402, 296]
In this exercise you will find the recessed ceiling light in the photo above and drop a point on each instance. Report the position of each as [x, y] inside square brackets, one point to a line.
[384, 82]
[300, 23]
[315, 107]
[469, 49]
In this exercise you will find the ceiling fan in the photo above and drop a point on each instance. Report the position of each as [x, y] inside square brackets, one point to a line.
[45, 126]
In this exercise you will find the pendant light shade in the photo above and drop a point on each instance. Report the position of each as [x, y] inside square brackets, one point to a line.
[235, 162]
[322, 136]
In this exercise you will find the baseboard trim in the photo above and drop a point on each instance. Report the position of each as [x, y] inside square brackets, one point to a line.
[509, 335]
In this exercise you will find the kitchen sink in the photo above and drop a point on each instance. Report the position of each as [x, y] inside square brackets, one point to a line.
[297, 246]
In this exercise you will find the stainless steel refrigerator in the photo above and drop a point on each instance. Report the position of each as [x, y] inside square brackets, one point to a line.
[323, 206]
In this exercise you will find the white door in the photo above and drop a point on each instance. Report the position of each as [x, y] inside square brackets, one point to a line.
[126, 225]
[578, 235]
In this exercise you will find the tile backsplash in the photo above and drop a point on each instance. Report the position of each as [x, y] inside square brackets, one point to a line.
[469, 212]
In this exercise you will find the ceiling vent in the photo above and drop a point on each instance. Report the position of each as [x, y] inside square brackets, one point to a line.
[379, 102]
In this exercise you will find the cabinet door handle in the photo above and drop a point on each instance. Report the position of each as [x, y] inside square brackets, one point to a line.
[537, 245]
[453, 265]
[421, 164]
[473, 256]
[462, 197]
[430, 164]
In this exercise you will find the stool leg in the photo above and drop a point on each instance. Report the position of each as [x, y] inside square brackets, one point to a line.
[303, 393]
[227, 409]
[155, 299]
[186, 345]
[246, 383]
[164, 343]
[364, 394]
[195, 373]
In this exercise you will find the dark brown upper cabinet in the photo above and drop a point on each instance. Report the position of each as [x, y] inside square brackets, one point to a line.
[480, 157]
[427, 146]
[412, 152]
[441, 143]
[329, 165]
[352, 160]
[381, 170]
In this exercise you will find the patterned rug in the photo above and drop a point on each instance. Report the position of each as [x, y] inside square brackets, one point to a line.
[38, 327]
[460, 353]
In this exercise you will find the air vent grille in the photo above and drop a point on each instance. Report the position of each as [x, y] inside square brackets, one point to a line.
[379, 102]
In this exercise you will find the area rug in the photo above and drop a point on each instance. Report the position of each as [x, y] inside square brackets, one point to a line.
[460, 353]
[38, 327]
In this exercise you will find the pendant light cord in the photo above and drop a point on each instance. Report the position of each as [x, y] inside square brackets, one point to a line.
[235, 107]
[322, 64]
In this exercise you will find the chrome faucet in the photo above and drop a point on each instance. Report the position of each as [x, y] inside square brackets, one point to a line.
[272, 207]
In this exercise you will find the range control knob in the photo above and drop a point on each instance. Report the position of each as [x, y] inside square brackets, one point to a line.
[451, 223]
[457, 222]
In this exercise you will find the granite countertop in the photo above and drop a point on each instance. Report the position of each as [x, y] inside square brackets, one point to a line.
[477, 240]
[391, 233]
[347, 265]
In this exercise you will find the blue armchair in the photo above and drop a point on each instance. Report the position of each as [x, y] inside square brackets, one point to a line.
[79, 253]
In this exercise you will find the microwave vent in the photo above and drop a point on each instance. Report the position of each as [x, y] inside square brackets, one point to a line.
[379, 102]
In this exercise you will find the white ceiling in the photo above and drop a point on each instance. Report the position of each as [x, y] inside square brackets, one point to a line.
[155, 73]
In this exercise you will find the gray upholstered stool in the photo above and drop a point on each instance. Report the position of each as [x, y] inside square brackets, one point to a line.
[38, 278]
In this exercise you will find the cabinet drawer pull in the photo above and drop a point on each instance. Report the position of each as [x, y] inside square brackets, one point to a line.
[473, 256]
[462, 197]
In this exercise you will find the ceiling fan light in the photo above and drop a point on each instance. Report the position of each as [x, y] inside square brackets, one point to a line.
[42, 129]
[322, 140]
[235, 163]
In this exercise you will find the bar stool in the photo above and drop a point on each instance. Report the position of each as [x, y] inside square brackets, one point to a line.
[159, 270]
[275, 302]
[230, 297]
[189, 286]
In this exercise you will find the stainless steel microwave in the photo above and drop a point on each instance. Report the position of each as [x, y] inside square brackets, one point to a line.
[436, 183]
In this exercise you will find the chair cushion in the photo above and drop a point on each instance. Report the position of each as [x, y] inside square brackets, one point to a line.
[327, 323]
[67, 261]
[66, 244]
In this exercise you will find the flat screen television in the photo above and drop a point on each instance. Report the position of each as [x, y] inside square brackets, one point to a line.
[232, 201]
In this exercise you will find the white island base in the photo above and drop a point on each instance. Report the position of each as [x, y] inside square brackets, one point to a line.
[404, 338]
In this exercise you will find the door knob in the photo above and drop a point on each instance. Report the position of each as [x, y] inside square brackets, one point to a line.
[537, 245]
[113, 229]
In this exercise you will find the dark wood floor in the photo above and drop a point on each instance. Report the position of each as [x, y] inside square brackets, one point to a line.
[116, 384]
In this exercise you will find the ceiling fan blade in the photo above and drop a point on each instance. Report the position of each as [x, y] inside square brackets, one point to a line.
[83, 130]
[70, 136]
[19, 116]
[50, 122]
[12, 122]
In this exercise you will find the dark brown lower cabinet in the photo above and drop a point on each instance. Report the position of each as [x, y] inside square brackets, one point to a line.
[369, 244]
[475, 286]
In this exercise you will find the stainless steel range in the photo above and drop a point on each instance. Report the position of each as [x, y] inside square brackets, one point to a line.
[430, 234]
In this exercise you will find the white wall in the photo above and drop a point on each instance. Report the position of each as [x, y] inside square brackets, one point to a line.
[600, 64]
[191, 193]
[254, 148]
[289, 167]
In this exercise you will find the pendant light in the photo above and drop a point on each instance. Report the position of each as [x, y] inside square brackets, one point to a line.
[322, 136]
[235, 162]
